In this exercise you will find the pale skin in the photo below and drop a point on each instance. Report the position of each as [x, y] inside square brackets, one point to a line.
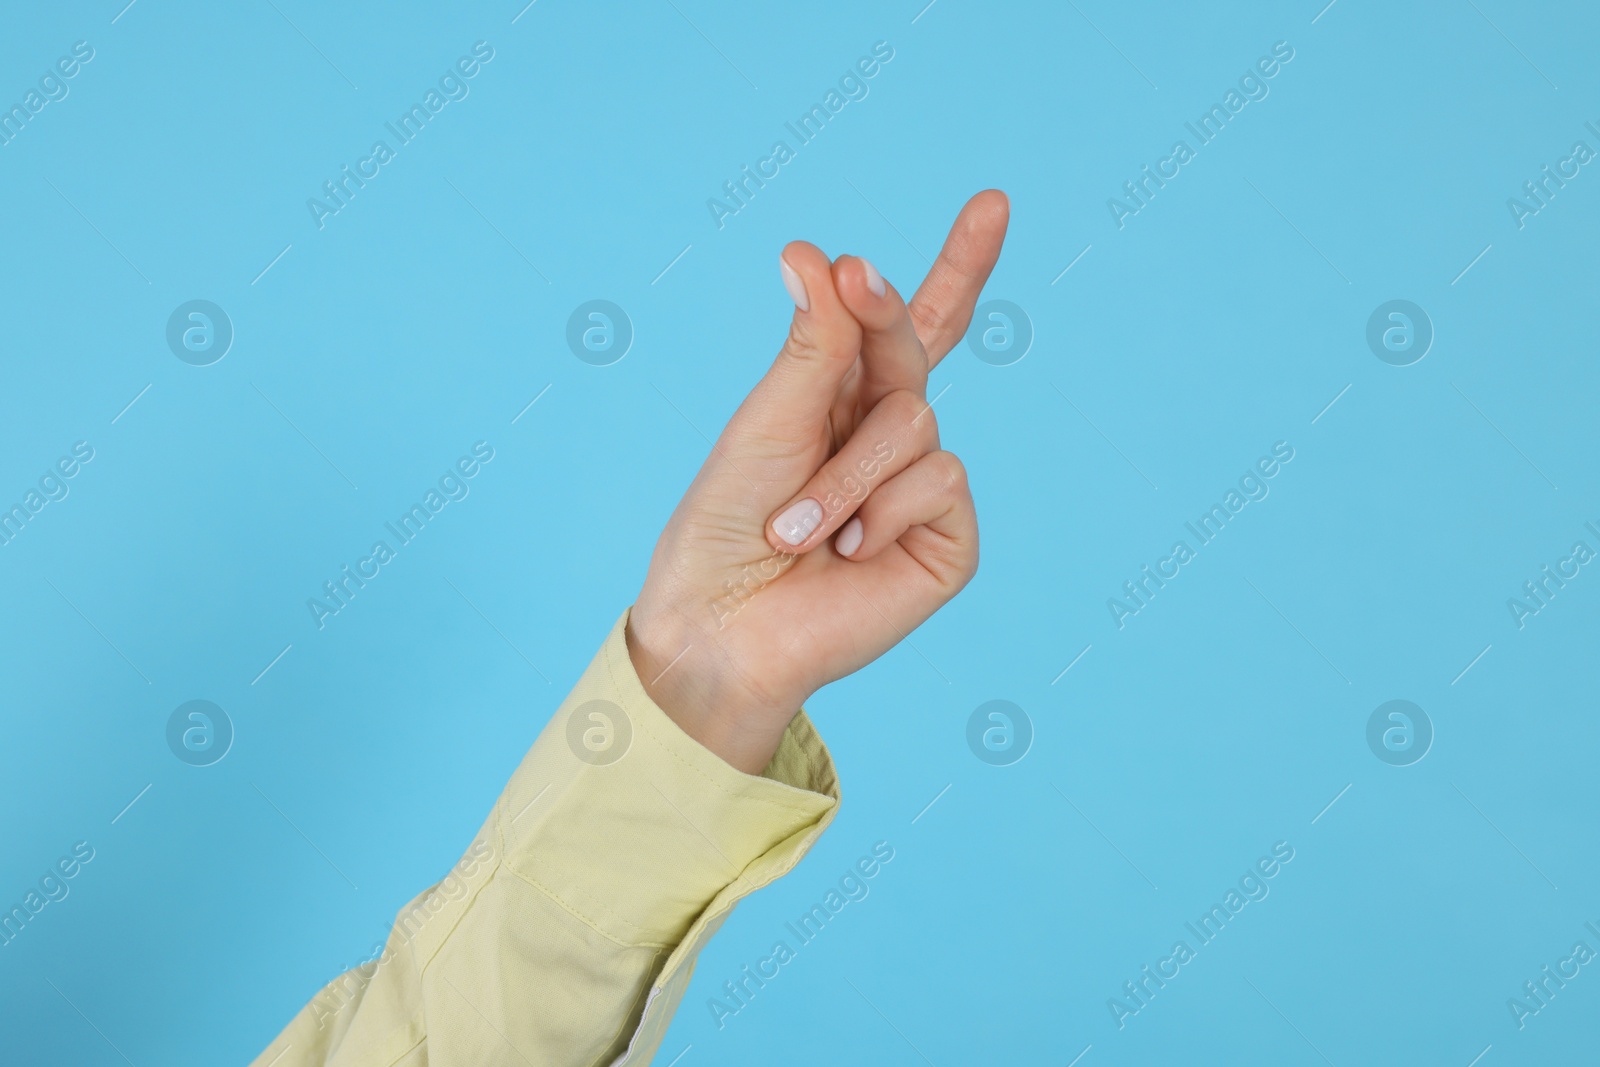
[827, 523]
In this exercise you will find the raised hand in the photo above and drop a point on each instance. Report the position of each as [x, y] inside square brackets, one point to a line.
[827, 523]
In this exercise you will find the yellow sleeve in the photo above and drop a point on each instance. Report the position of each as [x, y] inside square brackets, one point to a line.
[567, 933]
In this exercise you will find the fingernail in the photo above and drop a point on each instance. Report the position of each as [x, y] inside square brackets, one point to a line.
[874, 279]
[798, 521]
[849, 538]
[795, 284]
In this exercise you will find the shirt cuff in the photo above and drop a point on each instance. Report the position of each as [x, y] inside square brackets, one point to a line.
[669, 834]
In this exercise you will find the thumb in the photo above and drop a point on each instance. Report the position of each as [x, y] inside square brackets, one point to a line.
[791, 402]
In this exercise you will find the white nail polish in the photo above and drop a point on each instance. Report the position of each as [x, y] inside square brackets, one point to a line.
[874, 279]
[849, 538]
[798, 521]
[795, 284]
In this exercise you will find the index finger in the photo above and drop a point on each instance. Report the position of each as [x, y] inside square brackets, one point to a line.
[891, 354]
[943, 305]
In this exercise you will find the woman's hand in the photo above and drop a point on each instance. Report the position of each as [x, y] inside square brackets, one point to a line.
[827, 523]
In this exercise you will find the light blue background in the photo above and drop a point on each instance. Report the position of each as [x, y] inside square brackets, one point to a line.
[1221, 319]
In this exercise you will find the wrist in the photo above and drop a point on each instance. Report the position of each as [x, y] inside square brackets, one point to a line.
[689, 677]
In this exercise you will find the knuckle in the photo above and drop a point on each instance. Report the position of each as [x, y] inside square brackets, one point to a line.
[952, 473]
[802, 342]
[810, 342]
[930, 321]
[941, 327]
[902, 406]
[905, 419]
